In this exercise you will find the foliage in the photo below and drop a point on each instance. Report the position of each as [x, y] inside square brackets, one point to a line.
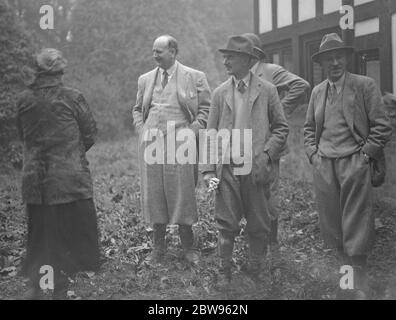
[108, 45]
[15, 51]
[306, 269]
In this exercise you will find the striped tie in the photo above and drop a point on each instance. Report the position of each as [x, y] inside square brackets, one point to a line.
[164, 81]
[241, 87]
[332, 93]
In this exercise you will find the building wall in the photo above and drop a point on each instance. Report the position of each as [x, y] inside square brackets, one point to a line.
[374, 38]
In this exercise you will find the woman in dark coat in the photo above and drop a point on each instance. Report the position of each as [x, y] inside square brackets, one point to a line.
[57, 128]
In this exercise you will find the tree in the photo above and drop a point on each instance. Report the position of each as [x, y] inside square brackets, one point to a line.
[15, 51]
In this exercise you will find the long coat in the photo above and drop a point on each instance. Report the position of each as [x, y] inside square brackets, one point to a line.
[57, 128]
[363, 110]
[268, 123]
[168, 192]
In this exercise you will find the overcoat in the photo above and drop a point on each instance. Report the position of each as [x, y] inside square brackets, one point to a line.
[168, 191]
[57, 128]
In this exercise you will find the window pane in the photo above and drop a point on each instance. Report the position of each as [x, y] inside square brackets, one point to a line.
[358, 2]
[306, 9]
[331, 6]
[276, 58]
[265, 15]
[374, 71]
[394, 51]
[288, 60]
[317, 74]
[365, 27]
[285, 17]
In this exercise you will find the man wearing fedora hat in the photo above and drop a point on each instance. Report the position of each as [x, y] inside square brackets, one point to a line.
[294, 91]
[346, 129]
[244, 102]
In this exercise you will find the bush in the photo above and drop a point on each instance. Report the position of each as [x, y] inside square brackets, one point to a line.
[15, 51]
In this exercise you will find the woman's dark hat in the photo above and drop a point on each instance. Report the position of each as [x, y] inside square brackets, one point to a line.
[239, 44]
[50, 61]
[331, 42]
[254, 38]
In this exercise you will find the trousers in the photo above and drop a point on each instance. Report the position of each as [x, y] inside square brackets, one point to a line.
[344, 198]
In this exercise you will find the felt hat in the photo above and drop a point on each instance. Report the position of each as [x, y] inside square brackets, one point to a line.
[331, 42]
[254, 38]
[239, 44]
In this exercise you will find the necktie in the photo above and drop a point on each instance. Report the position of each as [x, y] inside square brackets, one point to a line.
[164, 81]
[332, 93]
[241, 86]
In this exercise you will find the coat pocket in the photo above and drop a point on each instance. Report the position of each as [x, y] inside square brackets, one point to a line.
[378, 171]
[262, 171]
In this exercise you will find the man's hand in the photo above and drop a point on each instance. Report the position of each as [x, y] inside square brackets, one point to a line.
[211, 181]
[366, 157]
[262, 172]
[207, 177]
[315, 159]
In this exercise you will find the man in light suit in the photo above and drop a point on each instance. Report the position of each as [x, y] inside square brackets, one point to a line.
[176, 94]
[244, 104]
[346, 130]
[294, 92]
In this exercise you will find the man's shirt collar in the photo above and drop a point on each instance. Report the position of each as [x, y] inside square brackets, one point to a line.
[338, 84]
[170, 70]
[255, 67]
[246, 80]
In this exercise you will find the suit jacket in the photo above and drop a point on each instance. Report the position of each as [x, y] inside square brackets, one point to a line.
[192, 91]
[268, 123]
[295, 88]
[364, 112]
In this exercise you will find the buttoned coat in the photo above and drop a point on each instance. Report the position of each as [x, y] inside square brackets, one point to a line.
[267, 121]
[364, 112]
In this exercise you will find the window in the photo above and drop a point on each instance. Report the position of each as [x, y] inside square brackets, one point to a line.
[330, 6]
[265, 15]
[359, 2]
[282, 55]
[288, 59]
[306, 9]
[285, 15]
[368, 64]
[313, 71]
[365, 27]
[276, 58]
[394, 51]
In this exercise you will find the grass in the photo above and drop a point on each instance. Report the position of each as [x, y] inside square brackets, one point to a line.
[307, 270]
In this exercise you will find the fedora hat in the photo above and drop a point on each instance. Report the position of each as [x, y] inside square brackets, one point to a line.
[239, 44]
[254, 38]
[331, 42]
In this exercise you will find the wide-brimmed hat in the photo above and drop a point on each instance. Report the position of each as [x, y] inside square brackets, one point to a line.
[51, 61]
[239, 44]
[331, 42]
[254, 38]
